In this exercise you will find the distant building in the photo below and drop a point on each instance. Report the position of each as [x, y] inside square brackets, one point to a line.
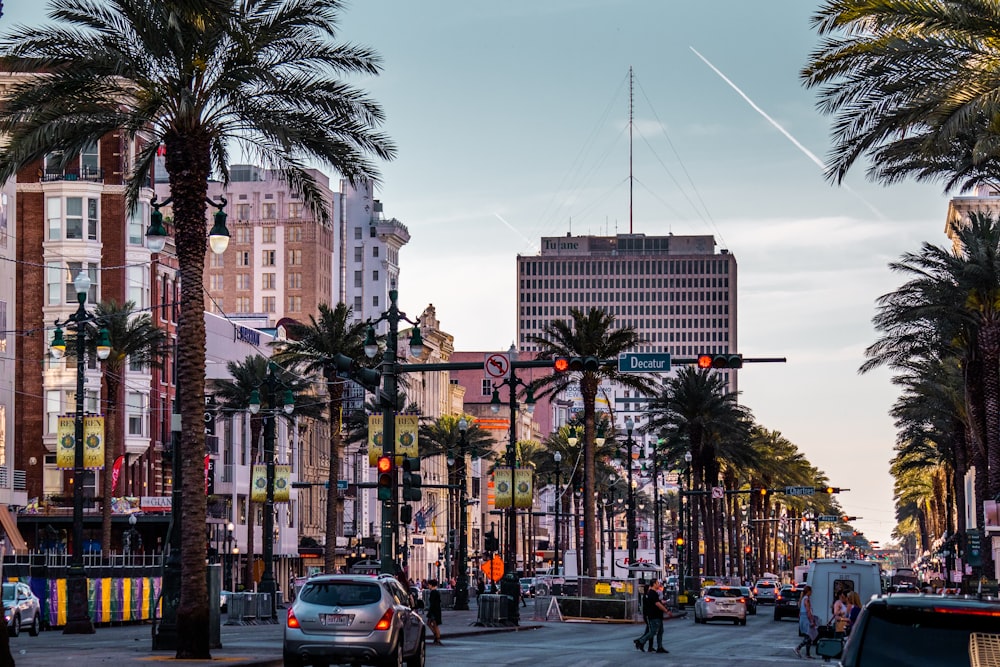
[985, 200]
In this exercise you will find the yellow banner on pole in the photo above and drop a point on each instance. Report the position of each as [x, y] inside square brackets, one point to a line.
[374, 439]
[282, 483]
[66, 442]
[258, 485]
[503, 486]
[93, 442]
[522, 488]
[406, 436]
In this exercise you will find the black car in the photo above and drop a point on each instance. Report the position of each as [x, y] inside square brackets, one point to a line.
[918, 631]
[751, 600]
[786, 602]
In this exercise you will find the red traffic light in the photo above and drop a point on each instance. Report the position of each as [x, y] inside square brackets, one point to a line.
[384, 464]
[561, 364]
[720, 361]
[704, 361]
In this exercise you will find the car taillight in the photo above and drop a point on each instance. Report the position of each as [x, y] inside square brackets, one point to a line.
[966, 612]
[755, 591]
[386, 620]
[292, 622]
[743, 600]
[708, 599]
[778, 597]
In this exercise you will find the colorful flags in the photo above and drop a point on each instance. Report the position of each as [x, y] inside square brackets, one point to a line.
[504, 487]
[522, 488]
[374, 439]
[406, 436]
[116, 473]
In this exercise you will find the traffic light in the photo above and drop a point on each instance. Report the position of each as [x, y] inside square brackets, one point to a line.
[490, 542]
[348, 368]
[411, 480]
[406, 514]
[582, 364]
[679, 540]
[748, 550]
[451, 538]
[832, 489]
[720, 361]
[763, 492]
[385, 478]
[846, 518]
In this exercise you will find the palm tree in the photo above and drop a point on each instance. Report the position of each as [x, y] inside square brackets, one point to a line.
[234, 396]
[195, 78]
[314, 348]
[696, 409]
[135, 341]
[588, 334]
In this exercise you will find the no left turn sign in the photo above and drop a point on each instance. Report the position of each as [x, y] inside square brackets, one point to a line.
[497, 365]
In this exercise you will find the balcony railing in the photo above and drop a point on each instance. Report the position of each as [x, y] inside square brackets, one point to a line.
[91, 175]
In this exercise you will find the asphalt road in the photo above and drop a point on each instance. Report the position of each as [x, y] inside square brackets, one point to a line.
[761, 642]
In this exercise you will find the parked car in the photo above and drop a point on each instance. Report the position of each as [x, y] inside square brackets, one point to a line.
[353, 618]
[21, 609]
[786, 603]
[918, 631]
[751, 599]
[766, 591]
[721, 602]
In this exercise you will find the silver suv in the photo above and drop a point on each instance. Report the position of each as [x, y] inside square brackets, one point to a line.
[353, 618]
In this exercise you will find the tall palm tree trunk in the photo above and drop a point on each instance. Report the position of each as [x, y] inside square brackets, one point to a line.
[249, 576]
[588, 390]
[187, 162]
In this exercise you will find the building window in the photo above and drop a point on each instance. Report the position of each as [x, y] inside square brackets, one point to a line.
[375, 300]
[89, 162]
[268, 257]
[295, 210]
[268, 234]
[295, 258]
[357, 304]
[358, 279]
[357, 233]
[243, 211]
[244, 235]
[487, 387]
[268, 304]
[137, 222]
[216, 282]
[295, 281]
[294, 233]
[374, 251]
[243, 281]
[268, 281]
[53, 408]
[358, 257]
[138, 286]
[74, 270]
[216, 261]
[269, 211]
[243, 258]
[135, 407]
[243, 304]
[294, 304]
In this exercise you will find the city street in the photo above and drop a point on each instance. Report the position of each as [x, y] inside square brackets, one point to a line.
[554, 644]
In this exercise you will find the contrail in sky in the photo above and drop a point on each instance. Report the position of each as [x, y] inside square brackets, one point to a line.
[808, 153]
[533, 245]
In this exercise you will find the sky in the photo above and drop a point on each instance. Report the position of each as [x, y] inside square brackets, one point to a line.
[512, 123]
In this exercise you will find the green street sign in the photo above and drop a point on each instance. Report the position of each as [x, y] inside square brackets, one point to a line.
[651, 362]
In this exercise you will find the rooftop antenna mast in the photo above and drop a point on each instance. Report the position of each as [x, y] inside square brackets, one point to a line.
[631, 182]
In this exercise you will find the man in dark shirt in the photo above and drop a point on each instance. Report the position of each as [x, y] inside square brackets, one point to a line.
[653, 609]
[434, 610]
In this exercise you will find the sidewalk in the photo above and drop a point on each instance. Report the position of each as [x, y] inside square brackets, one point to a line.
[242, 645]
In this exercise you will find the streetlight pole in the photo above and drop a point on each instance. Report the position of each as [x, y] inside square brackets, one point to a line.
[78, 617]
[692, 543]
[229, 556]
[267, 582]
[462, 581]
[387, 400]
[557, 456]
[657, 536]
[630, 515]
[512, 382]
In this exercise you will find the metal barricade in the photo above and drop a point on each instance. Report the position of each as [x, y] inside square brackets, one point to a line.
[264, 608]
[234, 609]
[494, 610]
[249, 615]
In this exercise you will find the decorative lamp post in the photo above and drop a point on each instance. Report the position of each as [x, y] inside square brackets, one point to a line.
[267, 582]
[462, 582]
[630, 510]
[78, 617]
[657, 533]
[387, 400]
[230, 551]
[692, 543]
[557, 456]
[512, 382]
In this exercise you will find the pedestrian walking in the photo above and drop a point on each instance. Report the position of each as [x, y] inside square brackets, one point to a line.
[434, 610]
[840, 614]
[808, 623]
[853, 609]
[653, 609]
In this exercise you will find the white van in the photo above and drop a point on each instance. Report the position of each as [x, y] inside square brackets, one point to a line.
[829, 576]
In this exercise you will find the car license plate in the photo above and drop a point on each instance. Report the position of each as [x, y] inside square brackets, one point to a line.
[335, 619]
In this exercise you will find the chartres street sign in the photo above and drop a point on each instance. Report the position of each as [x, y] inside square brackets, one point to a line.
[655, 362]
[799, 490]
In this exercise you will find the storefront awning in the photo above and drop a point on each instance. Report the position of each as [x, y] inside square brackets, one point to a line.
[15, 543]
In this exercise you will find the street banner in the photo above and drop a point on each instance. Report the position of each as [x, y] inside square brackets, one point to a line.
[522, 488]
[93, 442]
[504, 488]
[116, 472]
[258, 485]
[282, 483]
[406, 436]
[66, 439]
[374, 439]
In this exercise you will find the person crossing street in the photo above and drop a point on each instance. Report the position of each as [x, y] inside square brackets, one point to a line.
[653, 609]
